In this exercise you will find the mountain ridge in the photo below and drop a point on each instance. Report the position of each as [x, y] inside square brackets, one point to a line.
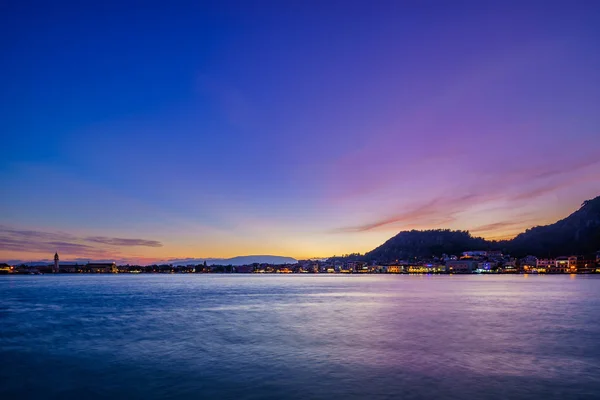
[578, 233]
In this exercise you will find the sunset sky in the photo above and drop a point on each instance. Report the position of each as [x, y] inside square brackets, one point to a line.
[142, 132]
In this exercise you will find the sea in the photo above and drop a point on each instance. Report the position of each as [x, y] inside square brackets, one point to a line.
[238, 336]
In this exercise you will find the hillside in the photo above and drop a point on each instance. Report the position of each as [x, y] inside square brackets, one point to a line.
[579, 233]
[410, 244]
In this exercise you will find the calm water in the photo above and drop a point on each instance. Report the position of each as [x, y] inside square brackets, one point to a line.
[300, 337]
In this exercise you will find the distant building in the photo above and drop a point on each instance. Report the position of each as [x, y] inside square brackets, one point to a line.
[244, 269]
[529, 260]
[101, 267]
[529, 264]
[573, 263]
[585, 265]
[547, 264]
[394, 269]
[510, 267]
[347, 268]
[362, 268]
[426, 269]
[486, 266]
[564, 265]
[461, 266]
[6, 269]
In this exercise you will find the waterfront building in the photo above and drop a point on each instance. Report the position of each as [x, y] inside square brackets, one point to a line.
[531, 264]
[461, 266]
[244, 269]
[529, 260]
[426, 269]
[352, 266]
[486, 266]
[363, 268]
[394, 269]
[346, 269]
[564, 265]
[533, 269]
[509, 267]
[6, 269]
[101, 267]
[572, 264]
[546, 264]
[585, 265]
[267, 268]
[561, 266]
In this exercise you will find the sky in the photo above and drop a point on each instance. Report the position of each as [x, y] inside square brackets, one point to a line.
[144, 131]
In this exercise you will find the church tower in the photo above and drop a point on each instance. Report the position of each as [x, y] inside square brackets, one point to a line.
[55, 268]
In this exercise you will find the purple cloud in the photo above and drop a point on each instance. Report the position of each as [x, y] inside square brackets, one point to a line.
[440, 211]
[123, 242]
[533, 182]
[12, 239]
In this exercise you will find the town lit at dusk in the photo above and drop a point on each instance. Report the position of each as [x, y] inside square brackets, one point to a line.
[299, 199]
[224, 129]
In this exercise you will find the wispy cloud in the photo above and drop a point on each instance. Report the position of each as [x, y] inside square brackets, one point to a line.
[28, 245]
[567, 168]
[123, 242]
[514, 188]
[552, 187]
[440, 210]
[502, 226]
[33, 241]
[31, 234]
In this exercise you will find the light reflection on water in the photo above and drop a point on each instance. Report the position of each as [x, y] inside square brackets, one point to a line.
[301, 336]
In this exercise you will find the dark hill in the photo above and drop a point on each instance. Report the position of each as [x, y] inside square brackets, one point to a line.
[422, 244]
[578, 234]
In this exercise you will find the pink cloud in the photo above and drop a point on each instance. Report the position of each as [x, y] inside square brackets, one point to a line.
[440, 211]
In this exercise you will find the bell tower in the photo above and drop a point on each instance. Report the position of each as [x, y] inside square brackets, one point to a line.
[55, 268]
